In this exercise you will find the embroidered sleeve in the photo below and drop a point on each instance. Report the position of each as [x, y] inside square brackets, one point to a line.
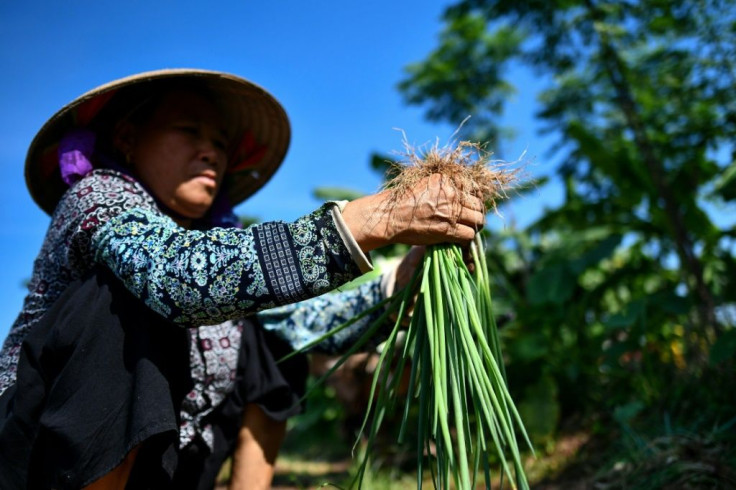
[206, 277]
[301, 323]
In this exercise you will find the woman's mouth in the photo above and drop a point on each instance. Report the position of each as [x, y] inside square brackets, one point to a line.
[208, 174]
[208, 178]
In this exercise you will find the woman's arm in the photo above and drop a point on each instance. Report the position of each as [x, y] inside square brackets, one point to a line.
[301, 323]
[202, 278]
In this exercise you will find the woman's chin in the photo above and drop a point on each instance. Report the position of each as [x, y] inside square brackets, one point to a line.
[193, 210]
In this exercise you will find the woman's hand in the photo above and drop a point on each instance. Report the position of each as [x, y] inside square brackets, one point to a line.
[426, 214]
[407, 266]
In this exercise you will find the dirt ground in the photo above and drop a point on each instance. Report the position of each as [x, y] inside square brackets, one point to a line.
[295, 474]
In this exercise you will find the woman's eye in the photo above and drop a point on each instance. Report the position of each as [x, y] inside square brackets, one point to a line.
[187, 128]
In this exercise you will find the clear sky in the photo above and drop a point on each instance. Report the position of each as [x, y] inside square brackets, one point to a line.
[334, 65]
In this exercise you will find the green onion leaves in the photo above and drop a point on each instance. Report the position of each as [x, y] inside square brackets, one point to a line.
[466, 420]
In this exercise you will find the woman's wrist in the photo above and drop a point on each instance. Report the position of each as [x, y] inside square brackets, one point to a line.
[356, 252]
[363, 217]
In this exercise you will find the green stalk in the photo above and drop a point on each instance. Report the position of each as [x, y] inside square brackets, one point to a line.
[439, 368]
[423, 440]
[457, 374]
[459, 410]
[499, 378]
[418, 335]
[484, 388]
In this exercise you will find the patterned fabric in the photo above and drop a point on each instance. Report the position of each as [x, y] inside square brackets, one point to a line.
[65, 254]
[194, 278]
[301, 323]
[204, 277]
[213, 354]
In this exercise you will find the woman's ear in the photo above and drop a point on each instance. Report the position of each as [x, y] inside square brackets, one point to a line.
[123, 137]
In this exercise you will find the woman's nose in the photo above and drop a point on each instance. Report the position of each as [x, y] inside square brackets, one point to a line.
[207, 151]
[210, 152]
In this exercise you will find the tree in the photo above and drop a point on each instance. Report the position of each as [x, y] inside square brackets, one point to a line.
[629, 281]
[642, 96]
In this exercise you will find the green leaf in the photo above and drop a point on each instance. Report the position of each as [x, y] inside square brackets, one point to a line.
[724, 348]
[336, 194]
[624, 413]
[551, 284]
[382, 164]
[540, 409]
[671, 302]
[726, 185]
[628, 317]
[529, 347]
[595, 255]
[247, 220]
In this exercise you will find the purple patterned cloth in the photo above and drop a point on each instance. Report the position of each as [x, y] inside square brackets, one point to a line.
[75, 155]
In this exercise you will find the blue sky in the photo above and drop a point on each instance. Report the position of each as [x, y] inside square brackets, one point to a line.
[333, 65]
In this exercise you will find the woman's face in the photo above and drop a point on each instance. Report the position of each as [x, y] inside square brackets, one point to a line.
[180, 153]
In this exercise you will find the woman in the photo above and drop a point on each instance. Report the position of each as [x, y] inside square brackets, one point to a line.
[138, 350]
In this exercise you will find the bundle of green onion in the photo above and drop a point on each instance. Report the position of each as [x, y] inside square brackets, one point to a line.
[466, 417]
[457, 376]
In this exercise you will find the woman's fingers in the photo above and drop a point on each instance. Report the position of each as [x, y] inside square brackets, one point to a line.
[452, 222]
[472, 218]
[464, 233]
[434, 212]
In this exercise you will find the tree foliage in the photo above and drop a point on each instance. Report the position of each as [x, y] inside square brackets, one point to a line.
[630, 281]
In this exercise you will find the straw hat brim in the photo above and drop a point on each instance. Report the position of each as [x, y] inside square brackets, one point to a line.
[261, 119]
